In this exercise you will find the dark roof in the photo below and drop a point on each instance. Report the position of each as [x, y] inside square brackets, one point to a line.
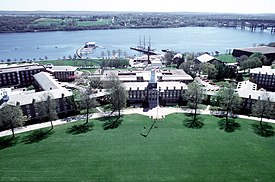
[261, 49]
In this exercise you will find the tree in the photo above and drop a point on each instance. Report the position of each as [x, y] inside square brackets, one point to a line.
[47, 109]
[75, 56]
[261, 57]
[190, 56]
[251, 62]
[87, 102]
[119, 53]
[95, 83]
[117, 93]
[187, 66]
[194, 95]
[221, 70]
[114, 52]
[108, 54]
[263, 107]
[179, 61]
[209, 69]
[243, 58]
[228, 100]
[11, 117]
[125, 54]
[102, 54]
[168, 57]
[255, 62]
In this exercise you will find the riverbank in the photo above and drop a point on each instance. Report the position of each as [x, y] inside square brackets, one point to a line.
[68, 21]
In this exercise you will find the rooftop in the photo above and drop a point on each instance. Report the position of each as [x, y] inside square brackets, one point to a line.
[46, 81]
[168, 75]
[247, 89]
[62, 68]
[25, 98]
[19, 67]
[261, 49]
[205, 58]
[263, 70]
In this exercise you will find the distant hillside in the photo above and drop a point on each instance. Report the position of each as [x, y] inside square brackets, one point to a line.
[33, 21]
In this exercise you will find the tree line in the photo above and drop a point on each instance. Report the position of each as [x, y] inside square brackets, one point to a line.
[26, 22]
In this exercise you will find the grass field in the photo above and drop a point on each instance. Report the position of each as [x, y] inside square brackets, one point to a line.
[47, 21]
[171, 152]
[227, 58]
[68, 62]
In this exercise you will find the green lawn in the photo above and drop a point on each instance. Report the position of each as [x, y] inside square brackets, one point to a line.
[227, 58]
[68, 62]
[47, 21]
[171, 152]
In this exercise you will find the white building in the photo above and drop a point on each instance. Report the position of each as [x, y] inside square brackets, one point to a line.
[248, 92]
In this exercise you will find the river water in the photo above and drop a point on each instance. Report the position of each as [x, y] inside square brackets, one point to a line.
[188, 39]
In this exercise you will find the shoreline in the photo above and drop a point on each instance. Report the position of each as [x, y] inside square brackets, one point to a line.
[113, 28]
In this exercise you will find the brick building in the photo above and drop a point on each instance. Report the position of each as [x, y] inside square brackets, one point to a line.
[19, 75]
[153, 87]
[264, 77]
[63, 73]
[47, 86]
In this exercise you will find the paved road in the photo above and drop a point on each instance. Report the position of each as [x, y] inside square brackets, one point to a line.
[159, 112]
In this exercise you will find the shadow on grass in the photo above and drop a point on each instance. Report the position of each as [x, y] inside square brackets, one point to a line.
[8, 141]
[230, 126]
[266, 131]
[190, 123]
[78, 129]
[112, 123]
[37, 136]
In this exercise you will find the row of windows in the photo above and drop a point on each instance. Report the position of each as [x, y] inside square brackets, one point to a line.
[12, 77]
[165, 94]
[65, 108]
[8, 74]
[263, 75]
[266, 83]
[2, 83]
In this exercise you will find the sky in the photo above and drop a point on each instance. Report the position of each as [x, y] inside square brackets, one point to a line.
[217, 6]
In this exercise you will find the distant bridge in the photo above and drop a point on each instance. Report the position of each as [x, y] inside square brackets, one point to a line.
[252, 24]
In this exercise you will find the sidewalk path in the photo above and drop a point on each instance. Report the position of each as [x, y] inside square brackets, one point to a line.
[158, 112]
